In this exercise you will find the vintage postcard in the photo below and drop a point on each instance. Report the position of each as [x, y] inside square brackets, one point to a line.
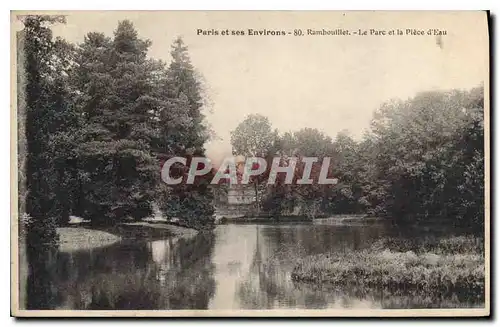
[250, 163]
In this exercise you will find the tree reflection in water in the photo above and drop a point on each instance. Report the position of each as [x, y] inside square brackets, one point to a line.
[268, 283]
[166, 274]
[41, 291]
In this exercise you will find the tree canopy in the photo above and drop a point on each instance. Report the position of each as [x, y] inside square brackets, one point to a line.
[421, 161]
[101, 118]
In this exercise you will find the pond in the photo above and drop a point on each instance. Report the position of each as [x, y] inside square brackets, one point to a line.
[233, 267]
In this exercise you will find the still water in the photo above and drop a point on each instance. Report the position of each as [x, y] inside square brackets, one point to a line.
[233, 267]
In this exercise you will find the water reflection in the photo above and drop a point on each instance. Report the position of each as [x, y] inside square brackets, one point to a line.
[235, 267]
[167, 274]
[264, 282]
[41, 288]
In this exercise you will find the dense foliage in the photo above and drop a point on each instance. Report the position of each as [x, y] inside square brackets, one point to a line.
[421, 161]
[427, 159]
[46, 114]
[100, 119]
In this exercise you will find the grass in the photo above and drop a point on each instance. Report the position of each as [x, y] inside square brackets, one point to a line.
[438, 245]
[85, 238]
[431, 266]
[78, 238]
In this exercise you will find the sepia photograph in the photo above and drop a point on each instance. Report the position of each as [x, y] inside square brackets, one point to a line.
[250, 163]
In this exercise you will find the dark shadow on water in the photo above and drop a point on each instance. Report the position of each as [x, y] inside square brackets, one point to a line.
[41, 291]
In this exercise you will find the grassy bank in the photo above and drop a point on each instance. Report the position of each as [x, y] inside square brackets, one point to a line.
[85, 237]
[448, 266]
[79, 238]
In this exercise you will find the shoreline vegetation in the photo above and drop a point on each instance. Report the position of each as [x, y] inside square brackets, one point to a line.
[244, 219]
[153, 230]
[452, 266]
[81, 236]
[266, 219]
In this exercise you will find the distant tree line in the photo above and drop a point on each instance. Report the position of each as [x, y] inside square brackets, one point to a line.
[97, 119]
[421, 161]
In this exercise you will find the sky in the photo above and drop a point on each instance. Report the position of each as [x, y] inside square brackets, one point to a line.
[331, 83]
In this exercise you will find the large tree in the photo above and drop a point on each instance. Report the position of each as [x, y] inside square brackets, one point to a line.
[253, 137]
[184, 85]
[308, 142]
[116, 100]
[345, 196]
[182, 132]
[45, 112]
[426, 159]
